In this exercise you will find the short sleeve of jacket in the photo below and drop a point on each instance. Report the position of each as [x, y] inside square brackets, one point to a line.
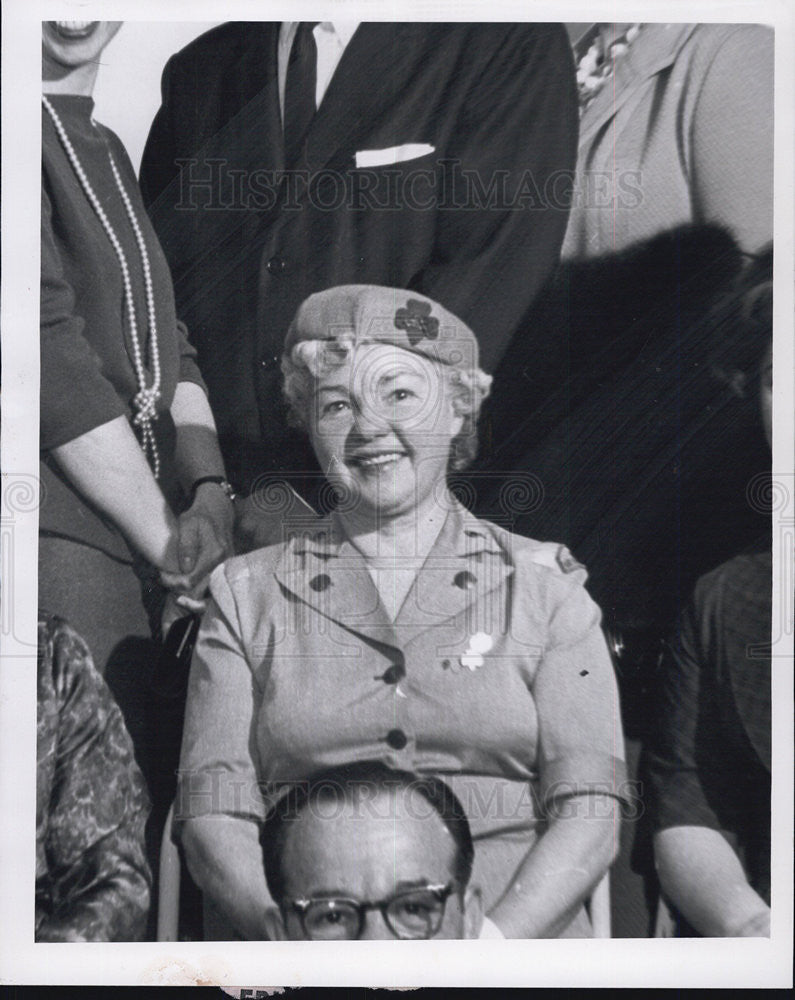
[219, 761]
[581, 743]
[75, 395]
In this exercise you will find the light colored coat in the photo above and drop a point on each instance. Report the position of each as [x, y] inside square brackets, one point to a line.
[682, 132]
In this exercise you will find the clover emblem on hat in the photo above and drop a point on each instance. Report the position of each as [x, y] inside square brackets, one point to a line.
[415, 318]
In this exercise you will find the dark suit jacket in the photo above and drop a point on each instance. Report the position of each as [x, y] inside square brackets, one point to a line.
[477, 224]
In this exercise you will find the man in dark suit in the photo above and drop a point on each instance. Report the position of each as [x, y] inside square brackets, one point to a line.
[289, 158]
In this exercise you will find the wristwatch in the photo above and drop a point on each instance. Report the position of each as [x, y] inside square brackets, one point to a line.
[225, 485]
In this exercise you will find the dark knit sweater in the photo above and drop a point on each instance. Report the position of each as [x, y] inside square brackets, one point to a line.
[87, 372]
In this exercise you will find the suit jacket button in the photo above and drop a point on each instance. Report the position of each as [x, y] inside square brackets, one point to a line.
[276, 266]
[320, 582]
[393, 674]
[397, 739]
[465, 580]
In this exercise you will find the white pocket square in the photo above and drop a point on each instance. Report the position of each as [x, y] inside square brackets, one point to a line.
[395, 154]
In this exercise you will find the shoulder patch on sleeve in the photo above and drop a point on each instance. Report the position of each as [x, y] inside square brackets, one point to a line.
[558, 558]
[566, 561]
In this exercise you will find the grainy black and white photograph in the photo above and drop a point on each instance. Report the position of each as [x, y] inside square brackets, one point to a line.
[405, 558]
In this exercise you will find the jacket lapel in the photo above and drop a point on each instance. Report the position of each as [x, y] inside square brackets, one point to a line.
[327, 573]
[652, 52]
[465, 565]
[375, 68]
[251, 121]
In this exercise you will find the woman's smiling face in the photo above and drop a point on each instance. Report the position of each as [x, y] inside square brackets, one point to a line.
[70, 44]
[381, 424]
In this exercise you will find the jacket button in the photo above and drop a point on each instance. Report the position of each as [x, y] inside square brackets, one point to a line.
[270, 364]
[393, 674]
[465, 580]
[397, 739]
[276, 266]
[320, 582]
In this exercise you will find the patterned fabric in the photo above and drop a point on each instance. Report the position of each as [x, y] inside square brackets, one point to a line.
[709, 764]
[92, 879]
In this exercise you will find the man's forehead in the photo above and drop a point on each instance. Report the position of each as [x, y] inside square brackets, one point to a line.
[372, 840]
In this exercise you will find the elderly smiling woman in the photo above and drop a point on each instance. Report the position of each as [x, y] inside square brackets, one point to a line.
[402, 628]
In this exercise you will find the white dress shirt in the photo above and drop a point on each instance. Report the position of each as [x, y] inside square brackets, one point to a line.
[331, 38]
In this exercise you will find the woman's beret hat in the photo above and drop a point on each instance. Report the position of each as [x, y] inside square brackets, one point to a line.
[375, 314]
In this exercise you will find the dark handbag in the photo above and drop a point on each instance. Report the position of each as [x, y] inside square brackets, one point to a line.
[169, 677]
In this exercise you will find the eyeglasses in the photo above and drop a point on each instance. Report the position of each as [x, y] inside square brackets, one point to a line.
[413, 914]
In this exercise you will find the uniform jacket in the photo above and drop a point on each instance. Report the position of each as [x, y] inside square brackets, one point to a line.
[494, 675]
[476, 224]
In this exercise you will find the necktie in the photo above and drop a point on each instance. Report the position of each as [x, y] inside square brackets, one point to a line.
[299, 93]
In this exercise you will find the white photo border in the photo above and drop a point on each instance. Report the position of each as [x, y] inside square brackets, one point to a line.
[601, 963]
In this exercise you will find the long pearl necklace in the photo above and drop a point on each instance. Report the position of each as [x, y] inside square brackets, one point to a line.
[146, 399]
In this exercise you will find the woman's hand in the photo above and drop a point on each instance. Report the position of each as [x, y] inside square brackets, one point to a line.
[257, 526]
[204, 539]
[205, 529]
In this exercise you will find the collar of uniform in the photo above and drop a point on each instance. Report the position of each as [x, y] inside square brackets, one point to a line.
[462, 534]
[466, 563]
[472, 537]
[322, 538]
[321, 567]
